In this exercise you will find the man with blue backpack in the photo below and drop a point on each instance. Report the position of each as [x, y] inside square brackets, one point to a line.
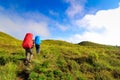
[37, 44]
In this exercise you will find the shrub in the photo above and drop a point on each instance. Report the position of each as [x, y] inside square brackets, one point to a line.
[62, 64]
[2, 61]
[49, 74]
[69, 76]
[8, 71]
[45, 64]
[86, 68]
[116, 74]
[41, 77]
[57, 73]
[103, 75]
[92, 58]
[32, 75]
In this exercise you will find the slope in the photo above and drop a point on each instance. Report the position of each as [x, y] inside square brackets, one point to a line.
[88, 43]
[6, 39]
[60, 60]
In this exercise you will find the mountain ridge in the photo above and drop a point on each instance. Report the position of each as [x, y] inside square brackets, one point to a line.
[4, 36]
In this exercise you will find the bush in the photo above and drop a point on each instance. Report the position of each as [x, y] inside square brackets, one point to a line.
[86, 68]
[2, 61]
[32, 75]
[103, 75]
[92, 58]
[45, 64]
[116, 74]
[41, 77]
[49, 74]
[69, 76]
[57, 73]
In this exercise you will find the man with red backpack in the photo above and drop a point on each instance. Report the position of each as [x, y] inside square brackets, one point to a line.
[28, 44]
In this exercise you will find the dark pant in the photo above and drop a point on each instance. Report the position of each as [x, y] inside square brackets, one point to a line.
[28, 54]
[37, 48]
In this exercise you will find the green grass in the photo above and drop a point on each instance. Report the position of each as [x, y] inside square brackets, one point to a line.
[59, 60]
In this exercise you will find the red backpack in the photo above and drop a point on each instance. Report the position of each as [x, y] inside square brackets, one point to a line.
[28, 42]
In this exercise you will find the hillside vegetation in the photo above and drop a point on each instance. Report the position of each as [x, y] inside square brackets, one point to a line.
[59, 60]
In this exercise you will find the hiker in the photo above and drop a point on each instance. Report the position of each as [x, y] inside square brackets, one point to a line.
[28, 44]
[37, 44]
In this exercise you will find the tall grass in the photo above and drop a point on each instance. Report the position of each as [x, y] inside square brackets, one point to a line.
[8, 72]
[59, 60]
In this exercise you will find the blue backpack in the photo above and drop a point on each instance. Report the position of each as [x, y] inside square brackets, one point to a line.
[37, 40]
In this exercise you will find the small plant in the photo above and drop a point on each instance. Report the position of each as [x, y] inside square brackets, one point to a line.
[62, 64]
[57, 73]
[93, 57]
[32, 75]
[8, 71]
[116, 74]
[49, 74]
[86, 68]
[103, 75]
[69, 77]
[45, 64]
[41, 77]
[2, 61]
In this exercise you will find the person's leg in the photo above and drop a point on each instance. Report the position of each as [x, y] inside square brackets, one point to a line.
[27, 54]
[31, 55]
[37, 48]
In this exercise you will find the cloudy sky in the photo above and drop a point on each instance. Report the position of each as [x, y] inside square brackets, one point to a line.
[70, 20]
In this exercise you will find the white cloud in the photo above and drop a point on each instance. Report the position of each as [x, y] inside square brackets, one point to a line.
[18, 26]
[87, 36]
[62, 27]
[105, 19]
[53, 13]
[76, 7]
[38, 28]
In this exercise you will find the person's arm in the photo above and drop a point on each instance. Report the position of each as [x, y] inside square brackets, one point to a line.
[33, 44]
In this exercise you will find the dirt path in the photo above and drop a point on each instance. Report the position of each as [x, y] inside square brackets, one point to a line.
[24, 73]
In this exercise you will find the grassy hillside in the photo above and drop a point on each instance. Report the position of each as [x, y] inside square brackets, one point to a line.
[5, 39]
[58, 60]
[88, 43]
[92, 44]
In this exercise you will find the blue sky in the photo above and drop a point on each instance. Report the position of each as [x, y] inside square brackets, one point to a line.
[70, 20]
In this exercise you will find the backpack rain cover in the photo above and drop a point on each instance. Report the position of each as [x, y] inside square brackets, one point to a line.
[37, 40]
[27, 42]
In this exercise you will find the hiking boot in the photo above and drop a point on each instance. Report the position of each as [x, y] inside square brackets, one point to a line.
[29, 61]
